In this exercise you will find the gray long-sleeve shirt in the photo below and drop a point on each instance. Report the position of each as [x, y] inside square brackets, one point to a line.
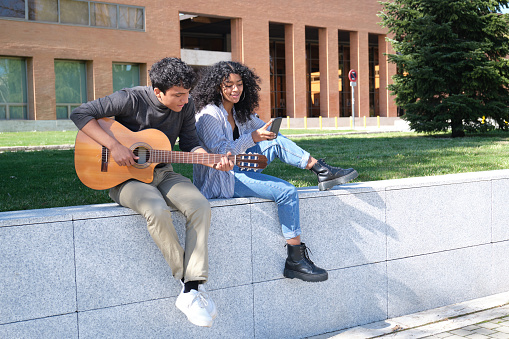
[137, 109]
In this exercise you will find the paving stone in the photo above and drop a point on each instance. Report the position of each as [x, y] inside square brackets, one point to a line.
[504, 329]
[499, 335]
[443, 335]
[485, 331]
[477, 336]
[471, 328]
[461, 332]
[488, 324]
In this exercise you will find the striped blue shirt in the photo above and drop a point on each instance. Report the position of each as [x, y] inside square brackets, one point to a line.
[216, 136]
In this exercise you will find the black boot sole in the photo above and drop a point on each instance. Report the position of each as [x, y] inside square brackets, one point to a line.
[327, 185]
[305, 277]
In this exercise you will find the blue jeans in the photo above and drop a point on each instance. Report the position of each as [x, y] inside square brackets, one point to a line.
[259, 185]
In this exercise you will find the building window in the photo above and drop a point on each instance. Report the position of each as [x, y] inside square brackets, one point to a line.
[374, 77]
[103, 15]
[12, 9]
[205, 33]
[277, 70]
[42, 10]
[76, 12]
[13, 88]
[70, 86]
[312, 72]
[345, 91]
[130, 17]
[125, 76]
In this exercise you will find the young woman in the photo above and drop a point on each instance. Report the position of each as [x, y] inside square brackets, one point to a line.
[225, 97]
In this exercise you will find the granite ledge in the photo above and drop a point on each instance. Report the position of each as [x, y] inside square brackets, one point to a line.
[59, 214]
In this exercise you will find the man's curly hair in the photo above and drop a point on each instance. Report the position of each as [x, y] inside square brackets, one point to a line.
[208, 88]
[170, 72]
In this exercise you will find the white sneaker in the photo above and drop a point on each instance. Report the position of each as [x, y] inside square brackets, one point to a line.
[193, 305]
[210, 306]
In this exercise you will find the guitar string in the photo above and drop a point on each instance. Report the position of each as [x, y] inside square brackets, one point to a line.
[202, 158]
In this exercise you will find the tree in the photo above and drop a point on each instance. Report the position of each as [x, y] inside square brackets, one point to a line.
[450, 56]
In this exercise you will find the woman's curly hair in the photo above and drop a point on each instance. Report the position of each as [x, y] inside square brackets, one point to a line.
[169, 72]
[208, 88]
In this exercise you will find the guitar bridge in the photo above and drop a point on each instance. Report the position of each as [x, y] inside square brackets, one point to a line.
[105, 156]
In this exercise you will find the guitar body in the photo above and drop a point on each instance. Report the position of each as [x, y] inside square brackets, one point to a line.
[89, 158]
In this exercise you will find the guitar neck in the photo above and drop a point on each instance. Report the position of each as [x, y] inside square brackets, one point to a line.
[176, 157]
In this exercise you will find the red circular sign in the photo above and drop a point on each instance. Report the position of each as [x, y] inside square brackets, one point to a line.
[352, 75]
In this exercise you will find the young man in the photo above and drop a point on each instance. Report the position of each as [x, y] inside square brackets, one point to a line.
[166, 106]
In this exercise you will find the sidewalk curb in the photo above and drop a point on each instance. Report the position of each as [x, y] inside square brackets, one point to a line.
[344, 133]
[431, 322]
[35, 148]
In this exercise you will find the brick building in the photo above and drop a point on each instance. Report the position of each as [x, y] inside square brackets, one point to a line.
[56, 54]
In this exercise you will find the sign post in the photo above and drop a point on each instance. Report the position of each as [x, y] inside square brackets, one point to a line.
[352, 75]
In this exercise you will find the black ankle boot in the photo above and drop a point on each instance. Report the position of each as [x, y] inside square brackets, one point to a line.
[298, 265]
[329, 176]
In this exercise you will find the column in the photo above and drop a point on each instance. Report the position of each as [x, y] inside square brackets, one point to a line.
[236, 40]
[44, 87]
[295, 55]
[30, 89]
[329, 83]
[144, 78]
[290, 79]
[256, 56]
[384, 92]
[99, 78]
[392, 108]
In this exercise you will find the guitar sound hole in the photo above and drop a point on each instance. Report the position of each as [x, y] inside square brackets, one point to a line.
[143, 155]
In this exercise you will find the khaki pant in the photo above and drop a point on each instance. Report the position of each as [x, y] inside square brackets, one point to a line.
[152, 200]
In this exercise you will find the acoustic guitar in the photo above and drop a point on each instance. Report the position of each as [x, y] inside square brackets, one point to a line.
[97, 169]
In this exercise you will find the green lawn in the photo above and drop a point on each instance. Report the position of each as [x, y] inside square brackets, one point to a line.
[67, 137]
[37, 138]
[41, 179]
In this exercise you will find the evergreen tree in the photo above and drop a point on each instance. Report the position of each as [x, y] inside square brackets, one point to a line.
[450, 56]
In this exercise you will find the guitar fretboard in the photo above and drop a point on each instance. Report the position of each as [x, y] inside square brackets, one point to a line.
[161, 156]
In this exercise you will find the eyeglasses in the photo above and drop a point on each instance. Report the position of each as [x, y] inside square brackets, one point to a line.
[230, 87]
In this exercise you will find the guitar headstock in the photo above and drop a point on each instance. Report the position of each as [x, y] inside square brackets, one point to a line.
[251, 161]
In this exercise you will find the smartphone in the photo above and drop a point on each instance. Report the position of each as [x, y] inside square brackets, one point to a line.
[276, 123]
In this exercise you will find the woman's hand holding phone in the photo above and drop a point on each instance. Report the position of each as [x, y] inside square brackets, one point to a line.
[266, 133]
[276, 124]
